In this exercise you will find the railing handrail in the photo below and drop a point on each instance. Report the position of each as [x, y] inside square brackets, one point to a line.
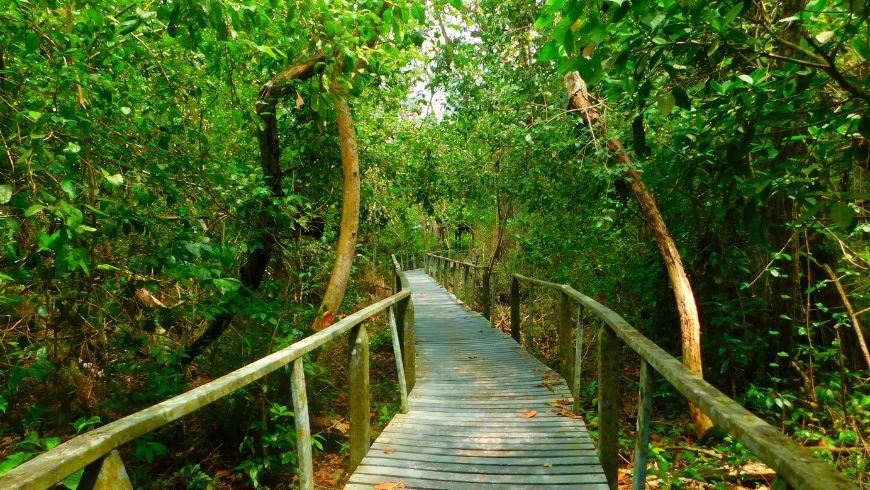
[52, 467]
[457, 261]
[799, 467]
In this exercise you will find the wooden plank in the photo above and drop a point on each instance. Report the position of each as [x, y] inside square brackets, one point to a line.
[608, 404]
[521, 468]
[303, 430]
[400, 367]
[515, 309]
[644, 413]
[566, 340]
[360, 402]
[107, 473]
[457, 477]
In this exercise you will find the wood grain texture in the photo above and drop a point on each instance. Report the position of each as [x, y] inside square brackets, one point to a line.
[467, 425]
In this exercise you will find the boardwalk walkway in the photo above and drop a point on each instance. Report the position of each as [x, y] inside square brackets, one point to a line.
[469, 425]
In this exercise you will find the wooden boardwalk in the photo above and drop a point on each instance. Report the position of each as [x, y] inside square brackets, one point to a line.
[469, 424]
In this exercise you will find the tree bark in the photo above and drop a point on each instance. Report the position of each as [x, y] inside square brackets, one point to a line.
[690, 323]
[261, 250]
[349, 218]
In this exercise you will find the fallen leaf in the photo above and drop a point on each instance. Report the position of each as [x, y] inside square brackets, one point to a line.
[388, 450]
[529, 414]
[341, 426]
[560, 404]
[389, 485]
[548, 465]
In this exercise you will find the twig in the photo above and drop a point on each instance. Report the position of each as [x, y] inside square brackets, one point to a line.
[848, 304]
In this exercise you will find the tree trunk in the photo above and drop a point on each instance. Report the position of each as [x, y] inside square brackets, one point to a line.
[690, 323]
[254, 266]
[349, 218]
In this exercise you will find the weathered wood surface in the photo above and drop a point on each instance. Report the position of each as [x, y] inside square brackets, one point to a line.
[467, 425]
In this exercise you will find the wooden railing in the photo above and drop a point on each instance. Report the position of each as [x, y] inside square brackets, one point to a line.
[96, 451]
[795, 466]
[455, 275]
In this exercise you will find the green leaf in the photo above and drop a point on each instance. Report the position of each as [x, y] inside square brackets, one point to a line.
[68, 186]
[842, 215]
[5, 193]
[733, 13]
[665, 102]
[861, 47]
[115, 179]
[746, 78]
[419, 12]
[36, 208]
[72, 147]
[457, 4]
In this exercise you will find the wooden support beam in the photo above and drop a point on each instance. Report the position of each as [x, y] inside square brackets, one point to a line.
[644, 413]
[360, 403]
[578, 360]
[400, 365]
[566, 340]
[516, 322]
[487, 296]
[107, 473]
[608, 404]
[303, 429]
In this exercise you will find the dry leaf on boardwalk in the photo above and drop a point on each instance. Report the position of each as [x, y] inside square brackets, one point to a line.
[389, 450]
[529, 414]
[560, 404]
[389, 485]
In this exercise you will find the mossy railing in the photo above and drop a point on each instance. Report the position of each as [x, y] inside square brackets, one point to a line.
[96, 451]
[796, 466]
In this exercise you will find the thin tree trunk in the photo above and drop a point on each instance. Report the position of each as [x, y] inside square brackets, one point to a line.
[349, 218]
[690, 323]
[254, 266]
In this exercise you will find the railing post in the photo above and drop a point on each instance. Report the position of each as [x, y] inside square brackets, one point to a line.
[465, 274]
[407, 342]
[608, 403]
[644, 413]
[456, 286]
[515, 309]
[486, 296]
[400, 364]
[303, 430]
[106, 473]
[360, 430]
[566, 343]
[531, 336]
[578, 359]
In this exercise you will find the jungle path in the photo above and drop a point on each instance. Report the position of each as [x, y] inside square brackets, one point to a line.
[483, 413]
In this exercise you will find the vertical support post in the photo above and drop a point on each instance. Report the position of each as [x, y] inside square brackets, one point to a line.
[397, 353]
[303, 430]
[608, 404]
[644, 413]
[106, 473]
[407, 342]
[465, 272]
[566, 342]
[515, 309]
[487, 296]
[578, 359]
[360, 427]
[457, 287]
[530, 339]
[414, 261]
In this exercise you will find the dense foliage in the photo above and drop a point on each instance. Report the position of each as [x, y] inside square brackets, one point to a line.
[131, 192]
